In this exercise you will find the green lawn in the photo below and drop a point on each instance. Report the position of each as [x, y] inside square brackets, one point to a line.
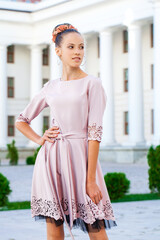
[126, 198]
[138, 197]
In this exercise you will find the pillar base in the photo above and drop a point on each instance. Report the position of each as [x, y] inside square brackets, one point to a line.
[124, 154]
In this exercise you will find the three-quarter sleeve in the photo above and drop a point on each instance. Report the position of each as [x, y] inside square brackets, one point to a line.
[34, 107]
[97, 103]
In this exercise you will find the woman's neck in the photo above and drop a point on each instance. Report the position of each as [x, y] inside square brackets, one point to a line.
[72, 73]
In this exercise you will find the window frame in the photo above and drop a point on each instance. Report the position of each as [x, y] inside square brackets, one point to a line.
[152, 35]
[152, 76]
[11, 126]
[98, 46]
[125, 80]
[125, 42]
[45, 56]
[126, 123]
[152, 121]
[8, 88]
[45, 127]
[44, 80]
[10, 53]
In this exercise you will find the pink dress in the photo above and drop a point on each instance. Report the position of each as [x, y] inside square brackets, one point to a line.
[59, 175]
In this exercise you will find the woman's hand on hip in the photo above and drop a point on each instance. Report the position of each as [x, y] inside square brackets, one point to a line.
[48, 134]
[93, 191]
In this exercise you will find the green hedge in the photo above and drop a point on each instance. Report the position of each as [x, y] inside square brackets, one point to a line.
[153, 157]
[117, 184]
[4, 190]
[31, 159]
[12, 153]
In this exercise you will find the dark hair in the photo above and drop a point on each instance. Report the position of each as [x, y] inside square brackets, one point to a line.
[59, 36]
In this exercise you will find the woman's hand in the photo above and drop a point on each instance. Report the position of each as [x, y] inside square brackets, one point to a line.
[50, 133]
[93, 191]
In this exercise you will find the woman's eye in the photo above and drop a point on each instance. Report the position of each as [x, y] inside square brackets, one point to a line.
[82, 47]
[70, 46]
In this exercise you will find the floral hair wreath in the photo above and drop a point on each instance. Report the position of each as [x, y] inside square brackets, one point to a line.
[60, 29]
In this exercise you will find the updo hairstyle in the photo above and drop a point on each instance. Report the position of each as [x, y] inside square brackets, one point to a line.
[60, 30]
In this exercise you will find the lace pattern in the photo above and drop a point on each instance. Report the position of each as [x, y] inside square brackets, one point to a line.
[21, 118]
[95, 132]
[88, 212]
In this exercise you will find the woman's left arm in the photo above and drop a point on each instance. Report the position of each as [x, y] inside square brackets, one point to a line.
[97, 103]
[91, 187]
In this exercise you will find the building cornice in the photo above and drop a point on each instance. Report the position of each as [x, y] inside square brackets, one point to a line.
[32, 13]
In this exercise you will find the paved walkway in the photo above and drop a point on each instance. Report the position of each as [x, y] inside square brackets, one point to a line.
[136, 221]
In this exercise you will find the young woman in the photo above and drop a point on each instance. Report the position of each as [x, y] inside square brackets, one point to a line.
[68, 183]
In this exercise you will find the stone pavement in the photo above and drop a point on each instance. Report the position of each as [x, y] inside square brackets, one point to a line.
[136, 221]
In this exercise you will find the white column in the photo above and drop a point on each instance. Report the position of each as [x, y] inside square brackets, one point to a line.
[55, 63]
[3, 96]
[35, 86]
[156, 22]
[106, 75]
[136, 121]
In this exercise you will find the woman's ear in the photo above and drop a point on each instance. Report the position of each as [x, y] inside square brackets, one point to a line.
[58, 51]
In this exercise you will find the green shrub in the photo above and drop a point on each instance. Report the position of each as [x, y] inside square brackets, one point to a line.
[12, 153]
[4, 190]
[117, 184]
[153, 157]
[31, 159]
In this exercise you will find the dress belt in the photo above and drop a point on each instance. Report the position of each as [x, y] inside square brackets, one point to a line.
[67, 155]
[77, 135]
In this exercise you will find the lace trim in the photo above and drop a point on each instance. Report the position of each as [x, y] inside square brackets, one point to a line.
[21, 118]
[95, 132]
[88, 212]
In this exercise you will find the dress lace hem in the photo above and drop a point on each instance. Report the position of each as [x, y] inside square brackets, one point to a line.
[88, 212]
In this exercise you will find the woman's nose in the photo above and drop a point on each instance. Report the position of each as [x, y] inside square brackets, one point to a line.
[77, 51]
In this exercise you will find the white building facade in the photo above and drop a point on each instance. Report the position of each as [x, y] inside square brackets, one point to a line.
[122, 48]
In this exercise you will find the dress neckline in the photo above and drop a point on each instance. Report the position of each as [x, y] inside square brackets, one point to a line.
[72, 80]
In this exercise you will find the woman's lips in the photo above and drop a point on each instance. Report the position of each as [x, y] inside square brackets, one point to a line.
[77, 59]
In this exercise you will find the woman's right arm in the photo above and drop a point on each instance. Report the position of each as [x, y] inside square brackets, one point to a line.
[32, 110]
[27, 131]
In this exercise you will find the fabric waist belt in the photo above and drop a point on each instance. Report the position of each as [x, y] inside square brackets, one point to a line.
[66, 156]
[71, 135]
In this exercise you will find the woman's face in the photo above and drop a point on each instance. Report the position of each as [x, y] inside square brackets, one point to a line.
[71, 51]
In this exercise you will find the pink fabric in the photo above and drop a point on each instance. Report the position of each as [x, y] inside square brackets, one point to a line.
[59, 176]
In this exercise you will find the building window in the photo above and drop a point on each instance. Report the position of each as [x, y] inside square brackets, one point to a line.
[98, 47]
[45, 123]
[152, 75]
[44, 80]
[10, 54]
[10, 126]
[125, 41]
[152, 121]
[10, 87]
[125, 74]
[45, 56]
[126, 130]
[151, 34]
